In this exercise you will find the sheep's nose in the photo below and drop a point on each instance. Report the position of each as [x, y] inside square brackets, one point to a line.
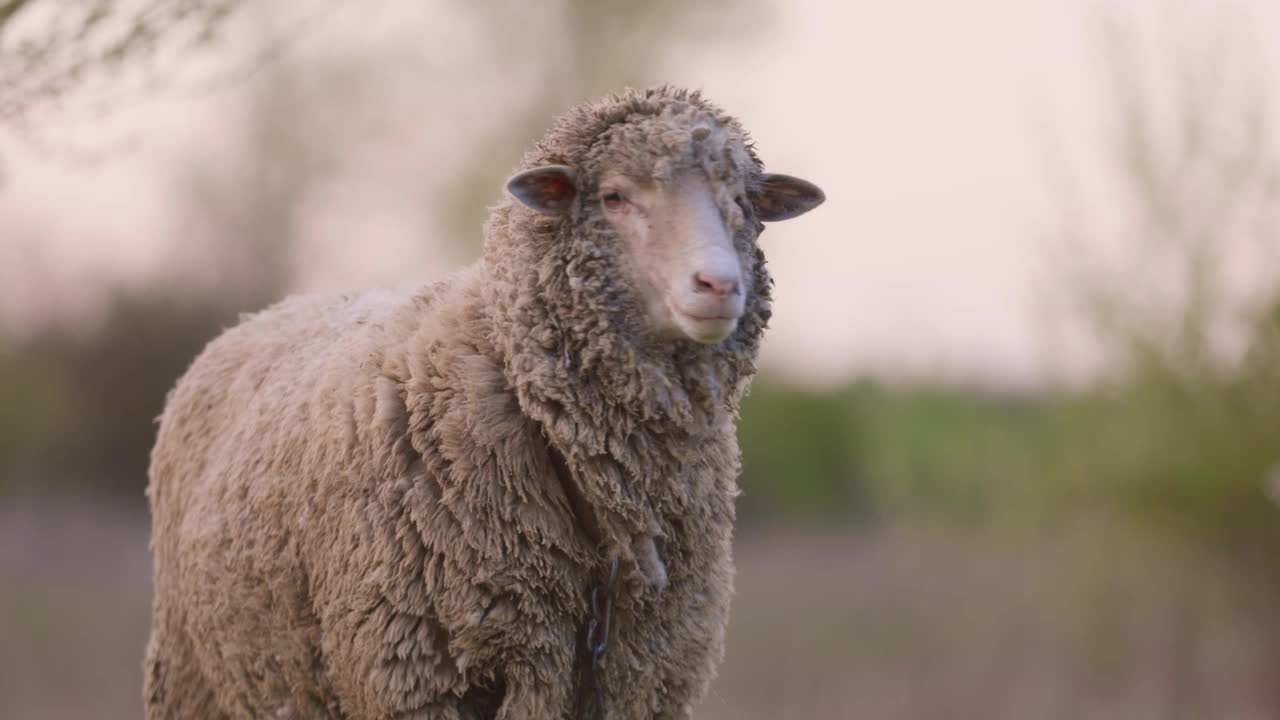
[718, 285]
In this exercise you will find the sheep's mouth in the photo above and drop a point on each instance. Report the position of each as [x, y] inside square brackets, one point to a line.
[705, 329]
[710, 318]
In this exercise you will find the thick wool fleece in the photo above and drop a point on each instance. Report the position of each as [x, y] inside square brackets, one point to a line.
[376, 506]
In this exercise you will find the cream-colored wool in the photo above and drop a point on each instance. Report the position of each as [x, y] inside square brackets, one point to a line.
[355, 511]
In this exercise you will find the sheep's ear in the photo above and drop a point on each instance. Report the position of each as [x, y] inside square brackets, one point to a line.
[548, 189]
[782, 197]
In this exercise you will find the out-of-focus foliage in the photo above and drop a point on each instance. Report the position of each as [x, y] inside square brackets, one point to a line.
[52, 48]
[1195, 397]
[1184, 429]
[86, 398]
[932, 454]
[79, 410]
[802, 455]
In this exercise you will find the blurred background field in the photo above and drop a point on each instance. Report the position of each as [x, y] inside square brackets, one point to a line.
[1014, 449]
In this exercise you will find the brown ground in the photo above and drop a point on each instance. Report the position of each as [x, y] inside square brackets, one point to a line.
[892, 624]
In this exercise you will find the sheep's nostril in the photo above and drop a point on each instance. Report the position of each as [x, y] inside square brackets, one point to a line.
[721, 285]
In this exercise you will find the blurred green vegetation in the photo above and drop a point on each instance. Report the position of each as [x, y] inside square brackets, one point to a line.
[80, 405]
[1190, 459]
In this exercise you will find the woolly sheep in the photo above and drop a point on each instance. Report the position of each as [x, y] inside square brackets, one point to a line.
[414, 505]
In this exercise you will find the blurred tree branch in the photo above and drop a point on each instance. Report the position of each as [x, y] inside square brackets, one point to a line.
[50, 49]
[8, 10]
[1191, 162]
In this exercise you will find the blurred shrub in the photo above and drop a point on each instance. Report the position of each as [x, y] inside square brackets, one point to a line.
[80, 407]
[1185, 432]
[802, 451]
[1191, 454]
[951, 455]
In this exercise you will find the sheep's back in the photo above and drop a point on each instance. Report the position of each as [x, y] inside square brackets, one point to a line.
[252, 471]
[269, 390]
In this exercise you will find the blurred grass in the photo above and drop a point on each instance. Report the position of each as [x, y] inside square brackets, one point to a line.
[912, 623]
[74, 609]
[1093, 619]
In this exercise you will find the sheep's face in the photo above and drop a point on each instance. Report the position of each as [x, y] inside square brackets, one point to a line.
[679, 252]
[685, 222]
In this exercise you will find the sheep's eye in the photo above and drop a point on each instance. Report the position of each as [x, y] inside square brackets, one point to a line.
[613, 200]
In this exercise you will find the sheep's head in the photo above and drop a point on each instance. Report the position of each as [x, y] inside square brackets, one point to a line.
[683, 198]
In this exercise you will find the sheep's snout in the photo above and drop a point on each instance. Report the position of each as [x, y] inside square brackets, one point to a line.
[707, 305]
[720, 285]
[706, 289]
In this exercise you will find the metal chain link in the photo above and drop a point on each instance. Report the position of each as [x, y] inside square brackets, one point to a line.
[591, 703]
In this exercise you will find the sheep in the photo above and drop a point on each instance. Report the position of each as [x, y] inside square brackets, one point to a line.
[507, 494]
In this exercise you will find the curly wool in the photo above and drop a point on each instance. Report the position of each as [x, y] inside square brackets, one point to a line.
[356, 505]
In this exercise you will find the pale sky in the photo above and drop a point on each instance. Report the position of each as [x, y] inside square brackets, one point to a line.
[927, 123]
